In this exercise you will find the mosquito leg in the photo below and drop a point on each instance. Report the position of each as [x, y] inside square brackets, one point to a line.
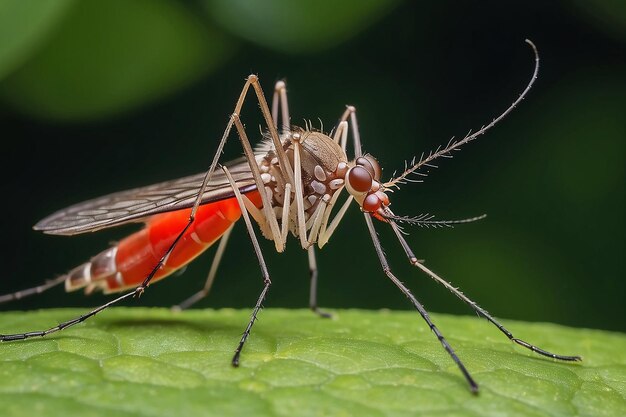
[479, 310]
[313, 293]
[270, 215]
[341, 134]
[418, 306]
[350, 113]
[229, 126]
[284, 227]
[264, 272]
[315, 222]
[280, 98]
[32, 291]
[326, 233]
[210, 278]
[299, 199]
[234, 119]
[66, 324]
[299, 194]
[278, 146]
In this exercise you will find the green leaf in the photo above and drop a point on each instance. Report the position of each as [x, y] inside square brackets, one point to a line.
[301, 26]
[152, 362]
[24, 25]
[115, 55]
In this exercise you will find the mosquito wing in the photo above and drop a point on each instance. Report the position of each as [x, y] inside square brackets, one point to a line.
[139, 203]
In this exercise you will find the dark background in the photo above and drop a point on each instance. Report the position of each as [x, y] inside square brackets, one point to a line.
[97, 105]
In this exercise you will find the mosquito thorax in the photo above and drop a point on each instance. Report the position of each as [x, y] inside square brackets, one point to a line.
[362, 181]
[323, 168]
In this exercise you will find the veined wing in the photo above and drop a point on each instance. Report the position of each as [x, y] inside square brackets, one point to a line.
[139, 203]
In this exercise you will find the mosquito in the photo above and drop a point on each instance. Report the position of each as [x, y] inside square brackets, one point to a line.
[291, 182]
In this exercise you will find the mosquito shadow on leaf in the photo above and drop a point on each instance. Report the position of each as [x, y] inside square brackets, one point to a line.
[162, 324]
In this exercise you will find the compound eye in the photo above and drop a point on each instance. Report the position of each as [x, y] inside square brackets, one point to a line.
[362, 162]
[371, 203]
[383, 197]
[359, 180]
[371, 164]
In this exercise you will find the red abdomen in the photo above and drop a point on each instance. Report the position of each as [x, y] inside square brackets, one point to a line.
[131, 261]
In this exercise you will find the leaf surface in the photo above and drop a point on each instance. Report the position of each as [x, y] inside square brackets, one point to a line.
[152, 362]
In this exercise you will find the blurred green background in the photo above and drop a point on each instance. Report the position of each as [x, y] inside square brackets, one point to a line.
[100, 96]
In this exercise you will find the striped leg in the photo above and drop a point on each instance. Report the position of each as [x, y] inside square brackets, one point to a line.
[479, 310]
[264, 272]
[418, 306]
[18, 295]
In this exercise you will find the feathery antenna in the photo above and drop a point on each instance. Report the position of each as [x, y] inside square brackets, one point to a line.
[427, 220]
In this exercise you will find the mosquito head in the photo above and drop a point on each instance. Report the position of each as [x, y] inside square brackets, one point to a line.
[363, 182]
